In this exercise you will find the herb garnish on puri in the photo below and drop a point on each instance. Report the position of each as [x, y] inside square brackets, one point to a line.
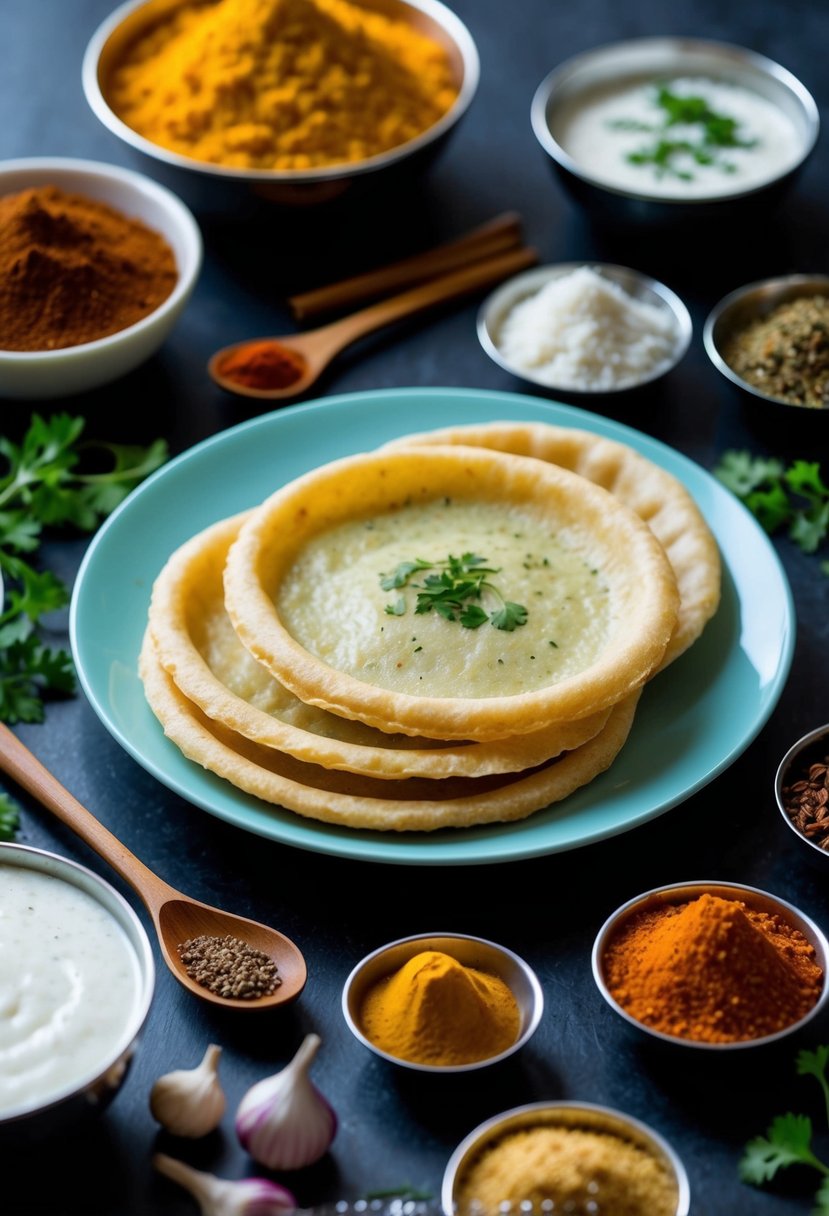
[455, 592]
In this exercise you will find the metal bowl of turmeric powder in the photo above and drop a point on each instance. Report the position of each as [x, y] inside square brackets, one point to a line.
[771, 339]
[99, 262]
[355, 96]
[712, 965]
[568, 1157]
[442, 1002]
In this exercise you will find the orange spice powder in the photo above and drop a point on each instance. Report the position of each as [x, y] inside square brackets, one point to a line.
[712, 970]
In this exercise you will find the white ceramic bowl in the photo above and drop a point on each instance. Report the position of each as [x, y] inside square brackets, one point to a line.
[586, 1116]
[221, 187]
[495, 308]
[75, 369]
[471, 952]
[680, 893]
[658, 58]
[88, 1094]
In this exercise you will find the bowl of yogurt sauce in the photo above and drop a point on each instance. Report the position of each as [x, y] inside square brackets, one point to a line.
[76, 982]
[662, 129]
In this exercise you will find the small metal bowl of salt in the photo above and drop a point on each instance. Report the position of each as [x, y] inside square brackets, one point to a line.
[584, 329]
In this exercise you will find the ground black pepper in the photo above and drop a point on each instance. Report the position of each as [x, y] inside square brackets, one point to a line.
[229, 967]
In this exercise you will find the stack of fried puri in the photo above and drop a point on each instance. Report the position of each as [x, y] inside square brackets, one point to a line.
[276, 658]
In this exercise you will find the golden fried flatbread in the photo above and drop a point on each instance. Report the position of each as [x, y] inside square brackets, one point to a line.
[196, 644]
[654, 494]
[360, 802]
[332, 583]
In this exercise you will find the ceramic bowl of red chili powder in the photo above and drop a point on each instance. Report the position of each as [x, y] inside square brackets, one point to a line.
[715, 965]
[96, 266]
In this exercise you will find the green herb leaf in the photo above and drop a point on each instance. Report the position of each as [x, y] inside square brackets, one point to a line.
[787, 1142]
[821, 1207]
[795, 498]
[9, 817]
[454, 592]
[813, 1064]
[741, 472]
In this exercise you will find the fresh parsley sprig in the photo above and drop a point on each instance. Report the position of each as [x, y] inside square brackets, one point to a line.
[9, 817]
[793, 498]
[51, 479]
[455, 593]
[788, 1139]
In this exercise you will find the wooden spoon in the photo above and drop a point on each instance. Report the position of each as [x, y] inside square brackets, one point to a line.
[176, 917]
[317, 347]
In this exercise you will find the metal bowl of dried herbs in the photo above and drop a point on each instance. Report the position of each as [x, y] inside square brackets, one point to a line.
[771, 339]
[801, 788]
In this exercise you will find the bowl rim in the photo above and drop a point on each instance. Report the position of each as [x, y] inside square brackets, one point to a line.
[735, 297]
[64, 868]
[681, 317]
[443, 16]
[481, 1133]
[753, 60]
[537, 1007]
[700, 887]
[800, 745]
[181, 218]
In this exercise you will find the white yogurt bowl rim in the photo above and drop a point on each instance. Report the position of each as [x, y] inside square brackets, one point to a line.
[65, 870]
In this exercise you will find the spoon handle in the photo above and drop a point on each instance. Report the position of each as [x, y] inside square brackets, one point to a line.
[448, 287]
[23, 767]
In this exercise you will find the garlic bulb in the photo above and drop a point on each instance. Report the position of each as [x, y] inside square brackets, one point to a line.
[217, 1197]
[190, 1102]
[284, 1122]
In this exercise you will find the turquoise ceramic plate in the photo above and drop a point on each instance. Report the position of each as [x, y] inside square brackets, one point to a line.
[693, 721]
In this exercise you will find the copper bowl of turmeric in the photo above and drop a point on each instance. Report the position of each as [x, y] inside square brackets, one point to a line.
[442, 1002]
[713, 965]
[299, 101]
[568, 1157]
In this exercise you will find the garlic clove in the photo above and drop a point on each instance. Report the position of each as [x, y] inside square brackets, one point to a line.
[190, 1102]
[219, 1197]
[284, 1122]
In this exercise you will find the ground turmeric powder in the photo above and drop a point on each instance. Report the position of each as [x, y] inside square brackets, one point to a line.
[280, 84]
[436, 1011]
[713, 970]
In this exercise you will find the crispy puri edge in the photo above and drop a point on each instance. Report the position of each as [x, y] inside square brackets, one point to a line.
[178, 654]
[516, 799]
[669, 509]
[623, 667]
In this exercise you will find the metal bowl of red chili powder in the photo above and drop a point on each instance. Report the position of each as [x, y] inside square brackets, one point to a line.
[715, 965]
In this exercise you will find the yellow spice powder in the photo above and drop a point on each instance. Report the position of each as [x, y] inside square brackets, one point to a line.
[573, 1167]
[280, 84]
[433, 1010]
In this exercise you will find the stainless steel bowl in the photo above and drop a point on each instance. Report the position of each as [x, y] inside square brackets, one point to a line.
[654, 58]
[218, 187]
[471, 952]
[750, 303]
[584, 1115]
[810, 748]
[679, 893]
[499, 304]
[91, 1093]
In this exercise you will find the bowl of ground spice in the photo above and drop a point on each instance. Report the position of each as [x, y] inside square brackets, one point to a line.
[771, 339]
[712, 965]
[297, 100]
[564, 1157]
[801, 788]
[442, 1002]
[96, 265]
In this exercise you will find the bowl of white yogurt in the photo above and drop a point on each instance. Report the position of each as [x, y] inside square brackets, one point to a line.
[76, 982]
[656, 130]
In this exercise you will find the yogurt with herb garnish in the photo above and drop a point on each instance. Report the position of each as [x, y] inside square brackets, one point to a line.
[69, 981]
[681, 137]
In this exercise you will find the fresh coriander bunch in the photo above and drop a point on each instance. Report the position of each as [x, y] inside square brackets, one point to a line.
[793, 499]
[51, 480]
[788, 1140]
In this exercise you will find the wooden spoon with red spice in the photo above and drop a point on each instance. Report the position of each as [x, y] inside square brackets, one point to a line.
[277, 369]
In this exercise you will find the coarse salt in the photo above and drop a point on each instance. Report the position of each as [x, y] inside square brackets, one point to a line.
[583, 331]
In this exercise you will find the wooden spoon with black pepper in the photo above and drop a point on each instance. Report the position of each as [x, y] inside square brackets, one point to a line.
[177, 918]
